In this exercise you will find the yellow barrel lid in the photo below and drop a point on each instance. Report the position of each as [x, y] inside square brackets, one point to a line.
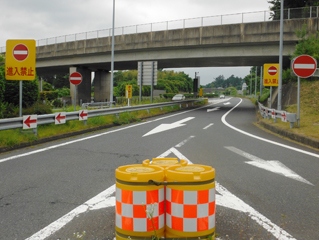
[139, 173]
[165, 162]
[189, 173]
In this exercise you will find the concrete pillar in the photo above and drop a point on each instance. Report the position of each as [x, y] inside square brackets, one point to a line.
[102, 82]
[84, 88]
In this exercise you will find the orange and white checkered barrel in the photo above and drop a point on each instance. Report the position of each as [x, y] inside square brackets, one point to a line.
[139, 205]
[190, 206]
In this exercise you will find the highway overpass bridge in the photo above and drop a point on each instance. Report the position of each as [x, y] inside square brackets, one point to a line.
[244, 44]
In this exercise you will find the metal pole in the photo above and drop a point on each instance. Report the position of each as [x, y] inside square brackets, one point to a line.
[280, 54]
[251, 82]
[75, 89]
[141, 79]
[298, 103]
[20, 99]
[261, 81]
[112, 60]
[256, 83]
[270, 96]
[152, 82]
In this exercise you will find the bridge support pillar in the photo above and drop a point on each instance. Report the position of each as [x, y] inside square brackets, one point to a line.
[84, 88]
[102, 81]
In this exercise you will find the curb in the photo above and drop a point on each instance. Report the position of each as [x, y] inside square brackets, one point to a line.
[312, 142]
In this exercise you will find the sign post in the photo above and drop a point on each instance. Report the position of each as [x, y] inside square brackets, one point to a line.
[128, 93]
[75, 78]
[303, 66]
[20, 63]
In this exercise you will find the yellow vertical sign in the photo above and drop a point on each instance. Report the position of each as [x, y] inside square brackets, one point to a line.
[271, 75]
[200, 92]
[20, 60]
[128, 91]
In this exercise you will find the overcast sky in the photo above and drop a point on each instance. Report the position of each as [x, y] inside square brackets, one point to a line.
[40, 19]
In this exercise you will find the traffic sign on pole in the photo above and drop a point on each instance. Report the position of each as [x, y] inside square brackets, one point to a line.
[271, 74]
[20, 60]
[83, 115]
[304, 66]
[75, 78]
[128, 91]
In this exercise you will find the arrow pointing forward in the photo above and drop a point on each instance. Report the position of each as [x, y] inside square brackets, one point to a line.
[165, 127]
[272, 165]
[213, 109]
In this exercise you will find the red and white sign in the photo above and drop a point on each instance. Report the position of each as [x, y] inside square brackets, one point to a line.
[284, 117]
[83, 115]
[75, 78]
[272, 70]
[304, 66]
[60, 118]
[20, 52]
[30, 121]
[273, 114]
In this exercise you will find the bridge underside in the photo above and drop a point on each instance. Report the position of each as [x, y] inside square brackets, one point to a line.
[216, 56]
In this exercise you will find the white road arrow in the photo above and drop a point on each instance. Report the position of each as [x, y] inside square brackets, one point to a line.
[227, 103]
[272, 165]
[213, 109]
[165, 127]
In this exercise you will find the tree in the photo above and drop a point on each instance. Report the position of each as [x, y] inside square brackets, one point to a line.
[276, 4]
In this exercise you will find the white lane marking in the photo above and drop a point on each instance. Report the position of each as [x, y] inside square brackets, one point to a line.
[102, 199]
[168, 126]
[224, 198]
[227, 103]
[94, 136]
[263, 139]
[272, 165]
[184, 142]
[209, 125]
[229, 200]
[213, 109]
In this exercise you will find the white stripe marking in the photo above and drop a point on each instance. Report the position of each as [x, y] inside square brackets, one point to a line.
[304, 66]
[20, 52]
[263, 139]
[209, 125]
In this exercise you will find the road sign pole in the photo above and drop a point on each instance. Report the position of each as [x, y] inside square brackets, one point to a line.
[20, 99]
[75, 90]
[112, 57]
[261, 81]
[256, 83]
[298, 103]
[270, 96]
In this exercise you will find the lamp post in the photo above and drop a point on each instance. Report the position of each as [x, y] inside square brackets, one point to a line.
[280, 53]
[112, 58]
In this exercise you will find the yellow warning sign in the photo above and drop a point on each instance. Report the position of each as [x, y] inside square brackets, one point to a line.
[271, 75]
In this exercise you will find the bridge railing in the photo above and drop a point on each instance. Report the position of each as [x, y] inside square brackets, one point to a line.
[246, 17]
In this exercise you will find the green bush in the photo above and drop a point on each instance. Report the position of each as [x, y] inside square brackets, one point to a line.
[169, 95]
[48, 95]
[57, 103]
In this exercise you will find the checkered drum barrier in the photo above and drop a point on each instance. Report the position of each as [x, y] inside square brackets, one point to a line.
[131, 209]
[190, 211]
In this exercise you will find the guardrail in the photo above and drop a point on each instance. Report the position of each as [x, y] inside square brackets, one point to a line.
[246, 17]
[99, 104]
[12, 123]
[273, 113]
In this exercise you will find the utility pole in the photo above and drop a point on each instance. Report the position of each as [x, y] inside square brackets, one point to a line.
[112, 60]
[280, 53]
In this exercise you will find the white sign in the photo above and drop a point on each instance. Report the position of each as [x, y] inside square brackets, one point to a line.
[30, 121]
[83, 115]
[60, 118]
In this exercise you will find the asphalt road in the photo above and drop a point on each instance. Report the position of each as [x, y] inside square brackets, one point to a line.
[266, 186]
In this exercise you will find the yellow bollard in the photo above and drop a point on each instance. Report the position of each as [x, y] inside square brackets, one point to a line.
[190, 201]
[135, 196]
